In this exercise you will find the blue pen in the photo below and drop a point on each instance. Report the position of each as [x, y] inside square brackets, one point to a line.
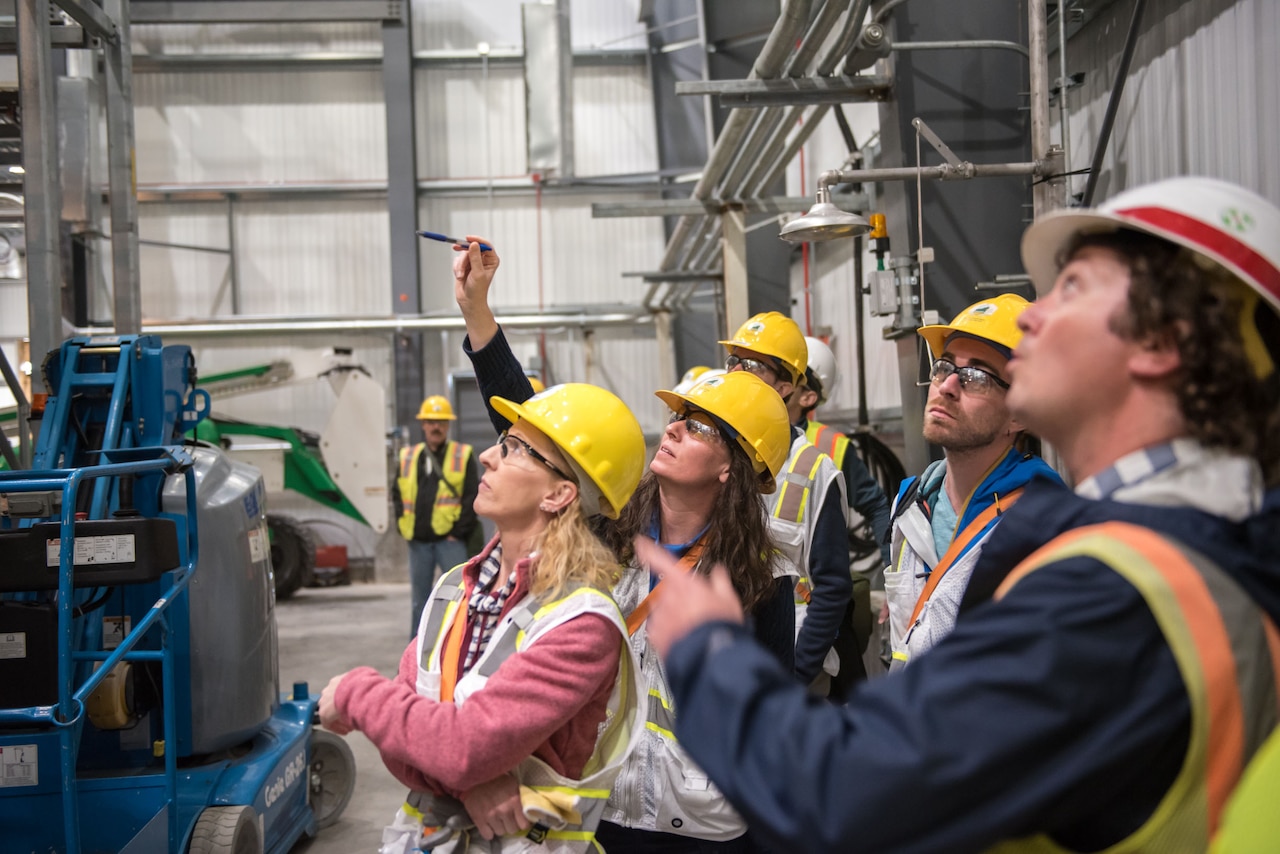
[431, 235]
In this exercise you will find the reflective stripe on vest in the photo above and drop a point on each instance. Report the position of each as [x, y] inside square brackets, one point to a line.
[829, 440]
[794, 489]
[1226, 650]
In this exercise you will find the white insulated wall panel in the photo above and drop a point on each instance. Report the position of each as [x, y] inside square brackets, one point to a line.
[294, 259]
[613, 121]
[450, 25]
[223, 39]
[1200, 98]
[277, 126]
[582, 259]
[469, 126]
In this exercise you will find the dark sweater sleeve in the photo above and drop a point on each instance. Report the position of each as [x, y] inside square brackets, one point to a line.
[774, 622]
[498, 373]
[866, 497]
[832, 587]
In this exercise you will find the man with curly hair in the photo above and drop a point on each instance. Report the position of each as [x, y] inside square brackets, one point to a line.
[1114, 665]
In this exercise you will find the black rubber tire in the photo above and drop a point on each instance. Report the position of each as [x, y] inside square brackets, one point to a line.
[332, 776]
[293, 554]
[226, 830]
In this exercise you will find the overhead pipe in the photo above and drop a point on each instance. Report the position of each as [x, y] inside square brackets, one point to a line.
[765, 170]
[613, 316]
[794, 17]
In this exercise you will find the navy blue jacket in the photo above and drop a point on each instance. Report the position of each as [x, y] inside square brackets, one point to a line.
[1057, 710]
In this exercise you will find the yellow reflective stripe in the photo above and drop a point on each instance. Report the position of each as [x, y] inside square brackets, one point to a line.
[899, 656]
[578, 835]
[449, 611]
[653, 692]
[570, 790]
[412, 811]
[545, 609]
[659, 730]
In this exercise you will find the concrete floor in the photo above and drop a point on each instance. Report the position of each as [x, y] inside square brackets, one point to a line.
[326, 631]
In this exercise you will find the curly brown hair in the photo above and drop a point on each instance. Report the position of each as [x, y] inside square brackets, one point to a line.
[738, 537]
[1197, 303]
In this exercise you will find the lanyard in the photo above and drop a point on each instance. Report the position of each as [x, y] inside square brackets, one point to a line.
[452, 652]
[958, 546]
[641, 613]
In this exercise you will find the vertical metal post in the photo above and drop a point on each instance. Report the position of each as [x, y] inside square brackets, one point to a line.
[1044, 195]
[565, 55]
[402, 209]
[233, 270]
[122, 177]
[736, 303]
[40, 184]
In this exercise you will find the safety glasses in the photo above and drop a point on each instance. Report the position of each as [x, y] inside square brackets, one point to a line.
[972, 380]
[764, 370]
[514, 446]
[699, 425]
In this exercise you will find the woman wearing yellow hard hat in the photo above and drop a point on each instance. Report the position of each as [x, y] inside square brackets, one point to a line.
[727, 437]
[520, 688]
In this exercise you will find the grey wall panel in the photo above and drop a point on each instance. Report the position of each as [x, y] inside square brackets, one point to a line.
[222, 39]
[1201, 96]
[449, 25]
[457, 109]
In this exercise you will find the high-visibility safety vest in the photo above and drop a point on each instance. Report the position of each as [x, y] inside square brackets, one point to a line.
[660, 787]
[1228, 653]
[793, 515]
[829, 440]
[448, 503]
[564, 812]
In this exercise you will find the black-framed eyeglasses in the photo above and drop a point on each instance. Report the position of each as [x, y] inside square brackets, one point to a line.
[511, 445]
[973, 380]
[753, 366]
[699, 425]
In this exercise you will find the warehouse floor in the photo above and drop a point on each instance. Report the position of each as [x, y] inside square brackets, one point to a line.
[326, 631]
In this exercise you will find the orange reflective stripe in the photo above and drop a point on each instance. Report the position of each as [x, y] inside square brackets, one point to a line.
[976, 527]
[452, 653]
[803, 590]
[637, 617]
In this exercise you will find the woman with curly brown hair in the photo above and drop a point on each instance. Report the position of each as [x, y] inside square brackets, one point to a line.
[701, 500]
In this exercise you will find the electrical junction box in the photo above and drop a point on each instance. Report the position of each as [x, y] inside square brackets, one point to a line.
[884, 292]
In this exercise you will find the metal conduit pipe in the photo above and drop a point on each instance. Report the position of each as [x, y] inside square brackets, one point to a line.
[771, 166]
[771, 118]
[794, 17]
[380, 325]
[943, 172]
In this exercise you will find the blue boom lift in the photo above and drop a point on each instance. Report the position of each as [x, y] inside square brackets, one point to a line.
[140, 708]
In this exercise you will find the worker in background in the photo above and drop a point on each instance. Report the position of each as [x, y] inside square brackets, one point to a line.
[1114, 667]
[724, 443]
[435, 489]
[689, 377]
[942, 518]
[518, 700]
[808, 515]
[866, 499]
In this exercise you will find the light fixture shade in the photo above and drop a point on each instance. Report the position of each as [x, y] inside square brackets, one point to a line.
[824, 221]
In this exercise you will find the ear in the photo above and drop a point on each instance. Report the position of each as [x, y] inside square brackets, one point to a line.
[558, 497]
[785, 388]
[808, 399]
[1156, 357]
[723, 476]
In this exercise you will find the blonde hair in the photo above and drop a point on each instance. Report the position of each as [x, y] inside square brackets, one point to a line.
[569, 554]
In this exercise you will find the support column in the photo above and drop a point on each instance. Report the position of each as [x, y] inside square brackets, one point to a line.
[736, 304]
[122, 176]
[402, 211]
[40, 183]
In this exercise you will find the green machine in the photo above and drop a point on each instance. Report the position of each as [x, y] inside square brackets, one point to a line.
[342, 468]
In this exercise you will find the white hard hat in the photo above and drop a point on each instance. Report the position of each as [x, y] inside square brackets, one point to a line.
[823, 364]
[690, 377]
[1233, 226]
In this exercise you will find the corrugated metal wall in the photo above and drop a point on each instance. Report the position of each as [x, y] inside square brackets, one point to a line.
[1201, 97]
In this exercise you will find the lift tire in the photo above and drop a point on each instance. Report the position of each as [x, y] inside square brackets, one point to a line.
[332, 776]
[293, 554]
[226, 830]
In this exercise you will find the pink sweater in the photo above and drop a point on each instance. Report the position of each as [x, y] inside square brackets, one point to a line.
[547, 701]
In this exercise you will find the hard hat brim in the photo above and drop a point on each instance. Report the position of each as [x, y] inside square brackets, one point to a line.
[1048, 236]
[437, 418]
[678, 403]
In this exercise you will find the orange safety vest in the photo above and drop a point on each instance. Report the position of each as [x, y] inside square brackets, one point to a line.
[1228, 653]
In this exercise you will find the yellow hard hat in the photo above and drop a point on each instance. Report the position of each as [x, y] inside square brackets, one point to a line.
[538, 385]
[774, 334]
[750, 411]
[993, 321]
[596, 432]
[436, 408]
